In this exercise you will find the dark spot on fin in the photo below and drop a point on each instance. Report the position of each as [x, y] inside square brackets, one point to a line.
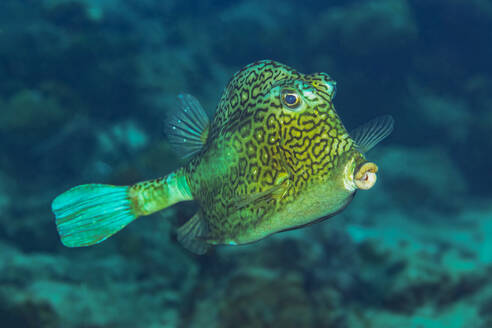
[188, 126]
[373, 132]
[192, 235]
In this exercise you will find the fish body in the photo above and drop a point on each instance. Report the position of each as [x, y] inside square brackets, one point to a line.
[275, 157]
[266, 167]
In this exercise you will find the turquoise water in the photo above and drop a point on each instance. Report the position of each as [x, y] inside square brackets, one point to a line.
[84, 91]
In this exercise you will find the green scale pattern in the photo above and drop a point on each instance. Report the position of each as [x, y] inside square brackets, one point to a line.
[260, 155]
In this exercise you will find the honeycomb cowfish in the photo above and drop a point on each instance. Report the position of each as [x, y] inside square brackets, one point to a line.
[275, 157]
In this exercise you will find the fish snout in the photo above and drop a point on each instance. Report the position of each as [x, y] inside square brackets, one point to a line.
[365, 176]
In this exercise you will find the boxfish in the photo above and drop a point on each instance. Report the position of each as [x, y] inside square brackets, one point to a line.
[275, 157]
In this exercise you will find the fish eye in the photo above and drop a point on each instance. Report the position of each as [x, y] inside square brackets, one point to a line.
[291, 99]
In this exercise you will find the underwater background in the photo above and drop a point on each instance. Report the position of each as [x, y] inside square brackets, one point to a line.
[85, 86]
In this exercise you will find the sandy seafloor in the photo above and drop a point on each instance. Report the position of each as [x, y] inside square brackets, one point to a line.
[84, 90]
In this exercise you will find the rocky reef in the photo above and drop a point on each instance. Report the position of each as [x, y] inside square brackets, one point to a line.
[85, 91]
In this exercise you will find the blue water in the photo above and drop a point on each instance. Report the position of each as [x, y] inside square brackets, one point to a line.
[84, 91]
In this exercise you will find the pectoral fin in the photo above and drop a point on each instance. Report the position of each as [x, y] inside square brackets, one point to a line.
[373, 132]
[277, 191]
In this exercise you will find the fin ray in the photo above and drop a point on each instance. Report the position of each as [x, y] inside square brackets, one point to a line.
[373, 132]
[188, 127]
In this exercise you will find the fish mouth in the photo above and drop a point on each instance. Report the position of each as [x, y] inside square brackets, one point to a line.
[365, 176]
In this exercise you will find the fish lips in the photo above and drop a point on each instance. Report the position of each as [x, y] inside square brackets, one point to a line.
[365, 175]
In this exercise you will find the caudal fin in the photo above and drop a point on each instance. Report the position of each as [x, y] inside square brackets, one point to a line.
[91, 213]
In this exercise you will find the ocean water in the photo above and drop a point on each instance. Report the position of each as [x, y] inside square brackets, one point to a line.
[85, 87]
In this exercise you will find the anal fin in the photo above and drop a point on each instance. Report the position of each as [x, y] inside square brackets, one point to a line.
[193, 235]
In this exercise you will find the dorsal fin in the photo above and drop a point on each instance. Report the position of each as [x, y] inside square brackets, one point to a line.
[188, 126]
[373, 132]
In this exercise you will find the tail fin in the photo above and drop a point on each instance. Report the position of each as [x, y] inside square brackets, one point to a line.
[91, 213]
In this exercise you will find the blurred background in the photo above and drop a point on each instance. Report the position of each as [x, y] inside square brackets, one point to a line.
[84, 90]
